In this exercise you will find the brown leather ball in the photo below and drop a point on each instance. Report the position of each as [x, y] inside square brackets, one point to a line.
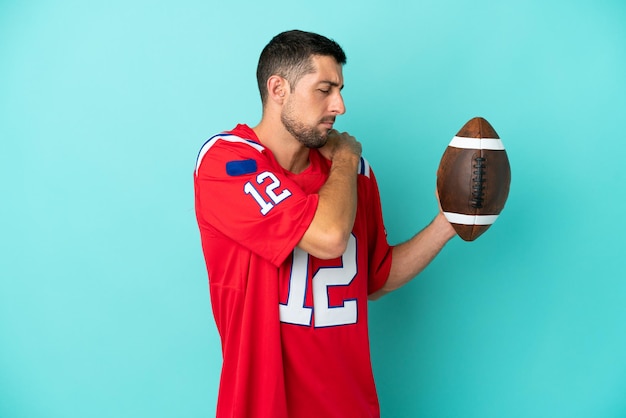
[473, 179]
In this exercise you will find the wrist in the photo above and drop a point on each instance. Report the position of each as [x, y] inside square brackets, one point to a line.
[345, 156]
[444, 226]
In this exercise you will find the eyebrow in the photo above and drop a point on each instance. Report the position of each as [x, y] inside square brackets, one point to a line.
[332, 83]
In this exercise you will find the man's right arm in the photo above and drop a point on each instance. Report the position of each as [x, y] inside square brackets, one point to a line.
[329, 231]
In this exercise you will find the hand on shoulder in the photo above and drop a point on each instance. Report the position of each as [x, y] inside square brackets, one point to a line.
[340, 145]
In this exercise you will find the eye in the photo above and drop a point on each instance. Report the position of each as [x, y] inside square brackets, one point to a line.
[324, 91]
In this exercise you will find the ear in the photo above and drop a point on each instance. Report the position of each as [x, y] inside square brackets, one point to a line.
[277, 88]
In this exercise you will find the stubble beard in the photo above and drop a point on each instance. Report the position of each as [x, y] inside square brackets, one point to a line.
[308, 136]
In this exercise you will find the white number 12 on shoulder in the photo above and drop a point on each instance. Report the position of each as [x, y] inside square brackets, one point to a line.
[275, 199]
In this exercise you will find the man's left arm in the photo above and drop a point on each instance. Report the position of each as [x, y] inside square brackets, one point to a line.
[412, 256]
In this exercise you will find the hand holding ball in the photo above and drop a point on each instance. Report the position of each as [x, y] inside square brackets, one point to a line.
[473, 179]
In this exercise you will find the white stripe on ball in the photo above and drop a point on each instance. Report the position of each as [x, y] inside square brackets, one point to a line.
[476, 143]
[462, 219]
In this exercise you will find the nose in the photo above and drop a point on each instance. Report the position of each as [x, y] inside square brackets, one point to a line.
[338, 107]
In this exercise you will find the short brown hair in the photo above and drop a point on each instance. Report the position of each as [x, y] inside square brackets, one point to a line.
[289, 54]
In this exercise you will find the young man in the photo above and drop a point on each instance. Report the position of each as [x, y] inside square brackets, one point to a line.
[294, 242]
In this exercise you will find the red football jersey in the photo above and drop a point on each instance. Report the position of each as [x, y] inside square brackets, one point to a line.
[293, 327]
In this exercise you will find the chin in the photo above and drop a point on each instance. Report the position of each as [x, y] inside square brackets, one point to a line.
[324, 134]
[321, 140]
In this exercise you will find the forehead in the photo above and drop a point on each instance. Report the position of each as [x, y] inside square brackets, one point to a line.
[327, 69]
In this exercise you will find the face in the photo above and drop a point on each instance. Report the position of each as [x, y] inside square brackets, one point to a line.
[309, 111]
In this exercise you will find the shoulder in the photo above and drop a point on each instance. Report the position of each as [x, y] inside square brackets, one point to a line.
[227, 145]
[318, 159]
[364, 168]
[366, 179]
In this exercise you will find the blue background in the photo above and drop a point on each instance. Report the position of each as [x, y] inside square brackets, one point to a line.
[104, 305]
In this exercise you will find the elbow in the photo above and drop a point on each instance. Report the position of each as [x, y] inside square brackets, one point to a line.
[337, 249]
[325, 245]
[334, 245]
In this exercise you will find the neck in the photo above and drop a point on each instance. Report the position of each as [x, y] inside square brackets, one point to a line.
[288, 151]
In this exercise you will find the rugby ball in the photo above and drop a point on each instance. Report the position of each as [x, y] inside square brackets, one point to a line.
[473, 179]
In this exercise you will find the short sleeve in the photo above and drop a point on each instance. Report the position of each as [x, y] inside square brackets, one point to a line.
[246, 196]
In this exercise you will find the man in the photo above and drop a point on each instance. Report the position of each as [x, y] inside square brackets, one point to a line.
[293, 236]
